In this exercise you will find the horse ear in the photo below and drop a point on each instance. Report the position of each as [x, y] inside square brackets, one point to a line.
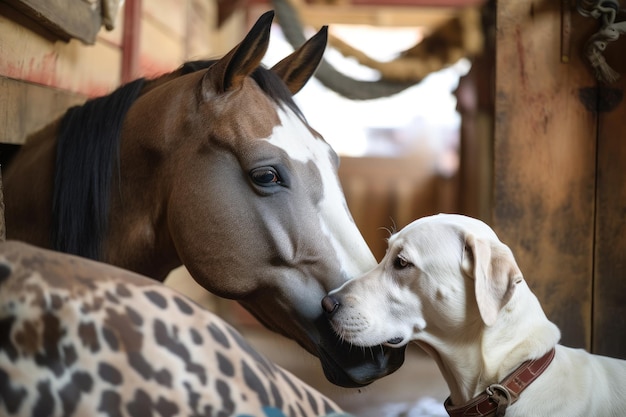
[296, 69]
[492, 266]
[229, 72]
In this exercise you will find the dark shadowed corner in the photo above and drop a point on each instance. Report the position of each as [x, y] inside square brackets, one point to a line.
[2, 225]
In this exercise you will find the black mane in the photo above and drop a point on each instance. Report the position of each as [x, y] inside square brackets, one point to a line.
[88, 153]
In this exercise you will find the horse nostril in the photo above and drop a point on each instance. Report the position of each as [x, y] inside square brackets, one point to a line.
[329, 304]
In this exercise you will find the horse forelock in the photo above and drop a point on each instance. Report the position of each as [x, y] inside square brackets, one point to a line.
[272, 85]
[269, 82]
[194, 66]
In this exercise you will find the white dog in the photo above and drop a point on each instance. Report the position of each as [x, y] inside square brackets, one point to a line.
[448, 283]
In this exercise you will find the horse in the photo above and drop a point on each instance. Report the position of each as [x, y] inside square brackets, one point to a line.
[214, 167]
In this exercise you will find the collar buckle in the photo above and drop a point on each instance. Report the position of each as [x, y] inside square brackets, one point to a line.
[501, 396]
[497, 397]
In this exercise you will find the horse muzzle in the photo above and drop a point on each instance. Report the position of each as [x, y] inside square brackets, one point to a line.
[343, 363]
[352, 366]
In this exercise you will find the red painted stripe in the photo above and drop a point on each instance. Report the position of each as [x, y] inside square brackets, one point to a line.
[130, 40]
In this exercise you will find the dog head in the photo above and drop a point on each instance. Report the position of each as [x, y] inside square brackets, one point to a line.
[442, 277]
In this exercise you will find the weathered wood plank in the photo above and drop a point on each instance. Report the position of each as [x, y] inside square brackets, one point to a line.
[169, 15]
[544, 161]
[160, 51]
[26, 108]
[28, 56]
[66, 18]
[609, 318]
[200, 29]
[318, 15]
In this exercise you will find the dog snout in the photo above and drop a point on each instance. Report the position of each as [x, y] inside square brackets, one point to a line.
[330, 304]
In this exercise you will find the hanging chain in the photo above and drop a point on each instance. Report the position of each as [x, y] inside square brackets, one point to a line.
[605, 11]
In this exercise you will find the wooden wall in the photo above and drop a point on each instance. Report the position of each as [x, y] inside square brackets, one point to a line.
[42, 75]
[559, 194]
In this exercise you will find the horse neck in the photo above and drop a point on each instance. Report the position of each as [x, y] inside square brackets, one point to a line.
[138, 237]
[27, 181]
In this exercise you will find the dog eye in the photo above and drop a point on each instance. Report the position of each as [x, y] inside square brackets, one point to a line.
[400, 263]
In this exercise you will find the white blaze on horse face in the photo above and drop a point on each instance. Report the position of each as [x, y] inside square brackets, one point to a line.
[295, 138]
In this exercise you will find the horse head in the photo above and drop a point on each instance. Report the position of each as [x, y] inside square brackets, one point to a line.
[249, 196]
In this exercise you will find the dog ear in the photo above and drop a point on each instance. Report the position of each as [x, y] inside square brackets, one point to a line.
[495, 272]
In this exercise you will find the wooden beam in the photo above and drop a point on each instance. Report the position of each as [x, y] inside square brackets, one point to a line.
[389, 16]
[419, 3]
[65, 18]
[27, 107]
[131, 40]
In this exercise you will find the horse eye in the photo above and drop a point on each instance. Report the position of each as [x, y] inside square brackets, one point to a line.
[400, 263]
[265, 176]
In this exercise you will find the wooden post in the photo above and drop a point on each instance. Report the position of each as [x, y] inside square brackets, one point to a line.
[131, 40]
[609, 291]
[545, 160]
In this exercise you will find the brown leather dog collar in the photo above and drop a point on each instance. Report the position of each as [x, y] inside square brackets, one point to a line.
[497, 397]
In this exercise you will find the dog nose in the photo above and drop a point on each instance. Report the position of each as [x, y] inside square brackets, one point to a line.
[330, 304]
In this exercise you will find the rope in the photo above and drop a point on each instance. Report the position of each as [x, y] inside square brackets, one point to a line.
[326, 74]
[604, 11]
[461, 37]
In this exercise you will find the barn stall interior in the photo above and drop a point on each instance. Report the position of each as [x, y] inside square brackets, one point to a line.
[535, 151]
